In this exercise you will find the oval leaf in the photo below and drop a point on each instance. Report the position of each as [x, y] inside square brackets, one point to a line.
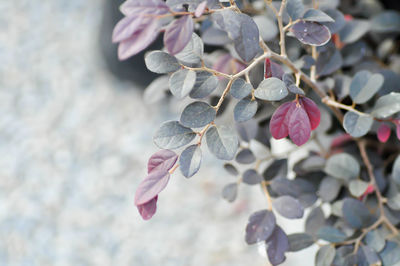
[317, 15]
[178, 34]
[279, 121]
[245, 156]
[299, 241]
[151, 186]
[331, 234]
[387, 105]
[204, 85]
[278, 244]
[240, 88]
[260, 226]
[288, 207]
[356, 214]
[172, 135]
[251, 177]
[222, 142]
[311, 33]
[197, 114]
[271, 89]
[325, 256]
[182, 82]
[229, 192]
[342, 166]
[299, 126]
[357, 125]
[190, 160]
[245, 109]
[148, 209]
[164, 159]
[383, 132]
[161, 62]
[364, 85]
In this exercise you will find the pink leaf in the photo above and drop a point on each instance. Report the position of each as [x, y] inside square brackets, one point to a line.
[128, 26]
[144, 7]
[228, 64]
[398, 129]
[138, 41]
[163, 159]
[312, 111]
[148, 209]
[341, 140]
[151, 186]
[299, 126]
[279, 120]
[200, 9]
[178, 34]
[272, 69]
[383, 132]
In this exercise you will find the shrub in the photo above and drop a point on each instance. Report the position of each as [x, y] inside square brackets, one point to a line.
[320, 72]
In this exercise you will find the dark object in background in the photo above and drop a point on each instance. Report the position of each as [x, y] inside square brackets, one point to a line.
[132, 69]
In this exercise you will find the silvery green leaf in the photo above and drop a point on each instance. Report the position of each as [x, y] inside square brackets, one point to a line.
[288, 207]
[204, 85]
[240, 88]
[271, 89]
[325, 256]
[375, 240]
[342, 166]
[231, 169]
[245, 156]
[296, 90]
[182, 82]
[190, 160]
[299, 241]
[388, 21]
[246, 44]
[329, 188]
[396, 170]
[172, 135]
[251, 177]
[317, 15]
[197, 114]
[193, 51]
[357, 187]
[314, 221]
[161, 62]
[260, 226]
[354, 30]
[215, 36]
[387, 105]
[245, 109]
[331, 234]
[295, 9]
[357, 125]
[391, 254]
[364, 85]
[339, 23]
[267, 27]
[229, 192]
[156, 91]
[356, 214]
[222, 142]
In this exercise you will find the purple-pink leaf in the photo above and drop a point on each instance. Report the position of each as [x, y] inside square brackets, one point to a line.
[279, 123]
[312, 33]
[128, 26]
[200, 9]
[162, 160]
[398, 129]
[151, 186]
[312, 111]
[157, 7]
[148, 209]
[272, 69]
[138, 41]
[299, 126]
[383, 132]
[228, 64]
[178, 34]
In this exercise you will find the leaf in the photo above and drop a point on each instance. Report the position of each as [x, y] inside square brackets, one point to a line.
[299, 241]
[388, 21]
[295, 9]
[325, 256]
[200, 9]
[144, 7]
[331, 234]
[357, 187]
[278, 244]
[312, 111]
[222, 142]
[163, 159]
[357, 125]
[329, 188]
[260, 226]
[190, 160]
[354, 30]
[245, 156]
[288, 207]
[396, 170]
[267, 27]
[156, 91]
[228, 21]
[299, 126]
[272, 69]
[288, 79]
[182, 82]
[240, 88]
[398, 130]
[193, 51]
[148, 209]
[204, 85]
[178, 34]
[328, 62]
[229, 192]
[364, 85]
[139, 41]
[314, 221]
[251, 177]
[296, 90]
[390, 254]
[197, 114]
[271, 89]
[317, 15]
[311, 33]
[387, 105]
[161, 62]
[151, 186]
[356, 214]
[215, 36]
[172, 135]
[339, 23]
[277, 167]
[353, 53]
[247, 130]
[342, 166]
[127, 26]
[246, 44]
[245, 109]
[231, 169]
[383, 133]
[369, 256]
[375, 240]
[280, 119]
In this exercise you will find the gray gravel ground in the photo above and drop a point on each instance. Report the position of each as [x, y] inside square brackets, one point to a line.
[73, 147]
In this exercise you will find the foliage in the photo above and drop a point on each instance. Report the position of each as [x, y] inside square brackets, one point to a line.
[322, 60]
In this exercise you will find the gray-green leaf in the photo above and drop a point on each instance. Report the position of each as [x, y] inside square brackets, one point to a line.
[204, 85]
[182, 82]
[240, 89]
[300, 241]
[172, 135]
[342, 166]
[245, 109]
[364, 85]
[222, 141]
[193, 51]
[325, 256]
[357, 125]
[387, 105]
[197, 114]
[271, 89]
[161, 62]
[190, 160]
[357, 187]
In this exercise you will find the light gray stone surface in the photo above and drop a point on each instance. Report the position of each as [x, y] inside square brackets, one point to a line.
[73, 147]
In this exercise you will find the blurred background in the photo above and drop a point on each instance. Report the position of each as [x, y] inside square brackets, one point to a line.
[75, 136]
